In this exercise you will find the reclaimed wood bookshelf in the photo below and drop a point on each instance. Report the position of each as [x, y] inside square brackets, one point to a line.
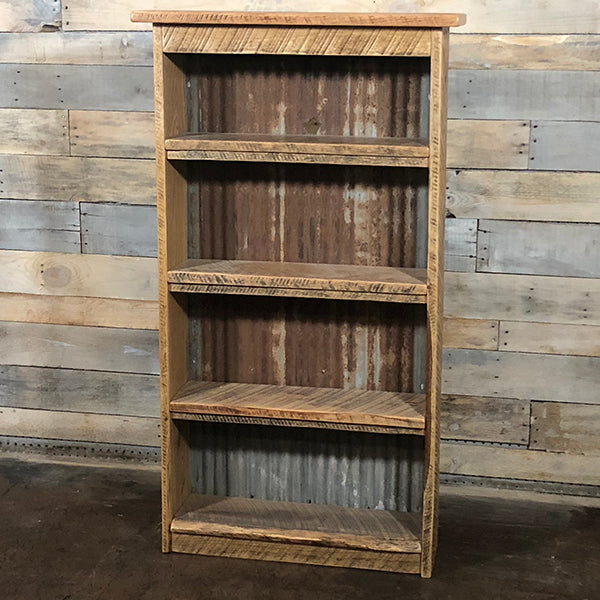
[301, 188]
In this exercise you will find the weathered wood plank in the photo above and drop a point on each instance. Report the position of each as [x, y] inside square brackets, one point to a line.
[78, 275]
[461, 245]
[565, 146]
[78, 310]
[550, 338]
[488, 144]
[514, 463]
[76, 86]
[512, 16]
[77, 48]
[508, 94]
[509, 375]
[73, 347]
[80, 426]
[471, 333]
[503, 420]
[523, 298]
[39, 225]
[112, 133]
[569, 249]
[77, 179]
[528, 196]
[571, 428]
[543, 52]
[118, 229]
[34, 131]
[35, 15]
[85, 391]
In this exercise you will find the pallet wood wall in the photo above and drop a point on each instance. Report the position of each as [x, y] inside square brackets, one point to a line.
[78, 312]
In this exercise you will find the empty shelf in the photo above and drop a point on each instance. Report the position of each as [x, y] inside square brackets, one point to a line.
[298, 532]
[349, 282]
[361, 410]
[321, 149]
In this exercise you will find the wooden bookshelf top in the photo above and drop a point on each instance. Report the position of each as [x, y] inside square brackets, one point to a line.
[323, 19]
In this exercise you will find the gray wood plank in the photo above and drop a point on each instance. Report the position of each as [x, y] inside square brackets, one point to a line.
[532, 298]
[29, 131]
[461, 244]
[33, 15]
[74, 390]
[68, 178]
[568, 249]
[76, 86]
[521, 375]
[524, 195]
[78, 48]
[39, 225]
[565, 146]
[75, 347]
[118, 229]
[503, 420]
[508, 94]
[571, 428]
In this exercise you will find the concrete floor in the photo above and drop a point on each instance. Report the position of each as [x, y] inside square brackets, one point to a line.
[88, 532]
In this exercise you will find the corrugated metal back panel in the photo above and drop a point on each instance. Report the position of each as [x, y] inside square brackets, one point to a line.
[361, 470]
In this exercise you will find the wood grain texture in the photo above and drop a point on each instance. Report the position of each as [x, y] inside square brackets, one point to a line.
[34, 131]
[312, 40]
[565, 146]
[488, 144]
[515, 463]
[118, 229]
[566, 249]
[460, 252]
[328, 279]
[529, 196]
[570, 428]
[435, 291]
[78, 48]
[299, 523]
[550, 338]
[36, 15]
[297, 553]
[302, 403]
[508, 375]
[122, 134]
[79, 391]
[78, 275]
[479, 334]
[78, 310]
[40, 225]
[72, 347]
[523, 298]
[477, 418]
[523, 94]
[79, 426]
[77, 179]
[543, 52]
[84, 87]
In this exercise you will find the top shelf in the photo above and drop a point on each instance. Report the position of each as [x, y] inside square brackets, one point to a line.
[323, 19]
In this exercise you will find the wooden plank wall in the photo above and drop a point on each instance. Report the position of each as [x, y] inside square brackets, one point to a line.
[78, 319]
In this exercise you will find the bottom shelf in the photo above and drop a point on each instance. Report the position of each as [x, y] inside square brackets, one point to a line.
[297, 532]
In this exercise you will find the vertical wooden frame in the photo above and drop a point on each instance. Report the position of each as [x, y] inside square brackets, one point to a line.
[435, 281]
[170, 84]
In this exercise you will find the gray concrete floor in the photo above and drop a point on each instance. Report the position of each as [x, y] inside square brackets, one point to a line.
[88, 532]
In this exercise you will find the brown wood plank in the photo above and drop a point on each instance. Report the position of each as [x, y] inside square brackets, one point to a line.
[328, 279]
[297, 553]
[324, 41]
[471, 333]
[330, 19]
[29, 131]
[302, 403]
[299, 523]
